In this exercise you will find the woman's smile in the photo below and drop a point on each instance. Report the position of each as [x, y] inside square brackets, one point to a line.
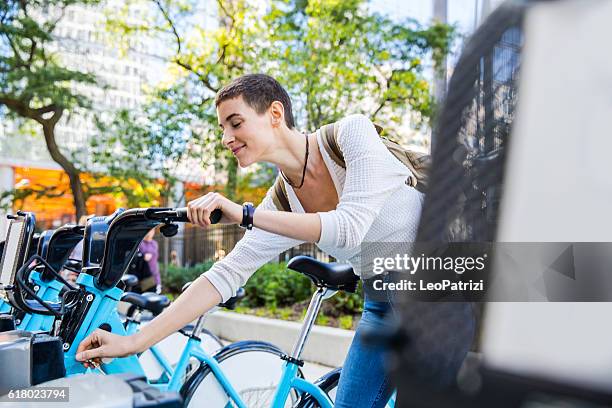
[235, 150]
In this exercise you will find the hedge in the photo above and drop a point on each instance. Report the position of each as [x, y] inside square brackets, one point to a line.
[272, 286]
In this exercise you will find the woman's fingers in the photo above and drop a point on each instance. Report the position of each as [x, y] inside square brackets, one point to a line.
[100, 344]
[199, 210]
[92, 347]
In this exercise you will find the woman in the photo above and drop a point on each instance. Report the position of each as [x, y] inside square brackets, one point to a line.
[336, 208]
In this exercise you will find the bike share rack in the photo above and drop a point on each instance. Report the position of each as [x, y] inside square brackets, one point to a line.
[94, 282]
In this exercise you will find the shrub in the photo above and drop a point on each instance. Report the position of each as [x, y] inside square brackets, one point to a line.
[176, 276]
[346, 322]
[275, 286]
[272, 286]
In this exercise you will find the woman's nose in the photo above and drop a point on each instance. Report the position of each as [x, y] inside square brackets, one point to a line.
[227, 138]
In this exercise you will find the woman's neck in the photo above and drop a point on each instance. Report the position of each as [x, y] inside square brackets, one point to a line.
[289, 154]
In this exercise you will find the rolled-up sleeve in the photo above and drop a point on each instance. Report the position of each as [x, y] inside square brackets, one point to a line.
[373, 174]
[254, 249]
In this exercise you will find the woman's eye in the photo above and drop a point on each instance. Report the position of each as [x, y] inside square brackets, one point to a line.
[236, 125]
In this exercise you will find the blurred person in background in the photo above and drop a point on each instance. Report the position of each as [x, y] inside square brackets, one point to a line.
[174, 261]
[150, 251]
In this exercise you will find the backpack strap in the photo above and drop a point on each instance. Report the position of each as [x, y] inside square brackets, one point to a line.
[329, 135]
[279, 196]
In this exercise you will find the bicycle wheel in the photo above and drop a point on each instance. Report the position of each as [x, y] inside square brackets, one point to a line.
[328, 383]
[253, 368]
[172, 348]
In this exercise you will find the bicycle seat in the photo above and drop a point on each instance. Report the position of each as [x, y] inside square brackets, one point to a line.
[230, 303]
[333, 275]
[152, 302]
[129, 281]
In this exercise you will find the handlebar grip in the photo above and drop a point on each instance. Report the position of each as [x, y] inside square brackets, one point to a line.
[215, 216]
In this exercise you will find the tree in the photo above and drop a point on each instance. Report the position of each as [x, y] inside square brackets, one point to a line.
[202, 61]
[144, 148]
[339, 57]
[33, 83]
[335, 58]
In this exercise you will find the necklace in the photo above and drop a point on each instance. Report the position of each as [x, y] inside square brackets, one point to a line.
[303, 171]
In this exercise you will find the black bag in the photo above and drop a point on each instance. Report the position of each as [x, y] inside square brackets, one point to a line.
[140, 268]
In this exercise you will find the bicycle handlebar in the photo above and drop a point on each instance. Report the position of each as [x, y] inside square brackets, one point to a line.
[180, 215]
[22, 277]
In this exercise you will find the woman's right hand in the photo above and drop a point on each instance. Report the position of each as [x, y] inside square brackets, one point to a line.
[102, 344]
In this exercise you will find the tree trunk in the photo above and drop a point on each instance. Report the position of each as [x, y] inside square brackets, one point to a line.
[73, 173]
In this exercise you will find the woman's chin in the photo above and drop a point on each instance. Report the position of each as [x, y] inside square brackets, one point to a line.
[244, 162]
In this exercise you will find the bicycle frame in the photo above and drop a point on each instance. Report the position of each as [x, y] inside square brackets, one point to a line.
[48, 291]
[289, 377]
[290, 380]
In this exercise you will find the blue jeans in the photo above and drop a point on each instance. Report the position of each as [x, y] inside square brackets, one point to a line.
[364, 381]
[442, 334]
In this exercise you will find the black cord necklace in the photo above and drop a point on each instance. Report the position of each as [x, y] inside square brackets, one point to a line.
[303, 171]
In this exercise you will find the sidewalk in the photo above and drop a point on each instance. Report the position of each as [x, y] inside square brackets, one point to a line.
[326, 346]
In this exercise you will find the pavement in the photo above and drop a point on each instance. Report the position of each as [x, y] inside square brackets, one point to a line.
[313, 371]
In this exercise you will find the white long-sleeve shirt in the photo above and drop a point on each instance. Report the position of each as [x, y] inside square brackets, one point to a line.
[375, 205]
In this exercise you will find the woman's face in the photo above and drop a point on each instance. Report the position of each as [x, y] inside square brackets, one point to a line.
[245, 132]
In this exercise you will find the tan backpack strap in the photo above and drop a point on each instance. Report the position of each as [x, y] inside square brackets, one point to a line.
[379, 129]
[329, 134]
[279, 196]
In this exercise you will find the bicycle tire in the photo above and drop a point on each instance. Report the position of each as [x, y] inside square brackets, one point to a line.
[328, 383]
[252, 367]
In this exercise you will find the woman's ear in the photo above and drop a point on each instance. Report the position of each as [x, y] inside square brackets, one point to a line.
[277, 113]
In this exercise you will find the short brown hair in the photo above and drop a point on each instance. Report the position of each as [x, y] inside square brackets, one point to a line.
[258, 91]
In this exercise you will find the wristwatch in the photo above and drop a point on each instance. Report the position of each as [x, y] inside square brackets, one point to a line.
[248, 210]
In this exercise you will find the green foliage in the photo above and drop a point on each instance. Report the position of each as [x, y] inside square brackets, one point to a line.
[176, 276]
[34, 84]
[322, 320]
[346, 322]
[335, 58]
[340, 58]
[29, 72]
[144, 146]
[273, 286]
[344, 302]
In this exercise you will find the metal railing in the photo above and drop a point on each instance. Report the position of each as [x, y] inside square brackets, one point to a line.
[193, 245]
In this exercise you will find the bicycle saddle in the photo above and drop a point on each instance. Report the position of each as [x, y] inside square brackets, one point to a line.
[129, 281]
[333, 275]
[152, 302]
[230, 303]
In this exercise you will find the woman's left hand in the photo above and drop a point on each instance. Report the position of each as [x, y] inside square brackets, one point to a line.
[199, 210]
